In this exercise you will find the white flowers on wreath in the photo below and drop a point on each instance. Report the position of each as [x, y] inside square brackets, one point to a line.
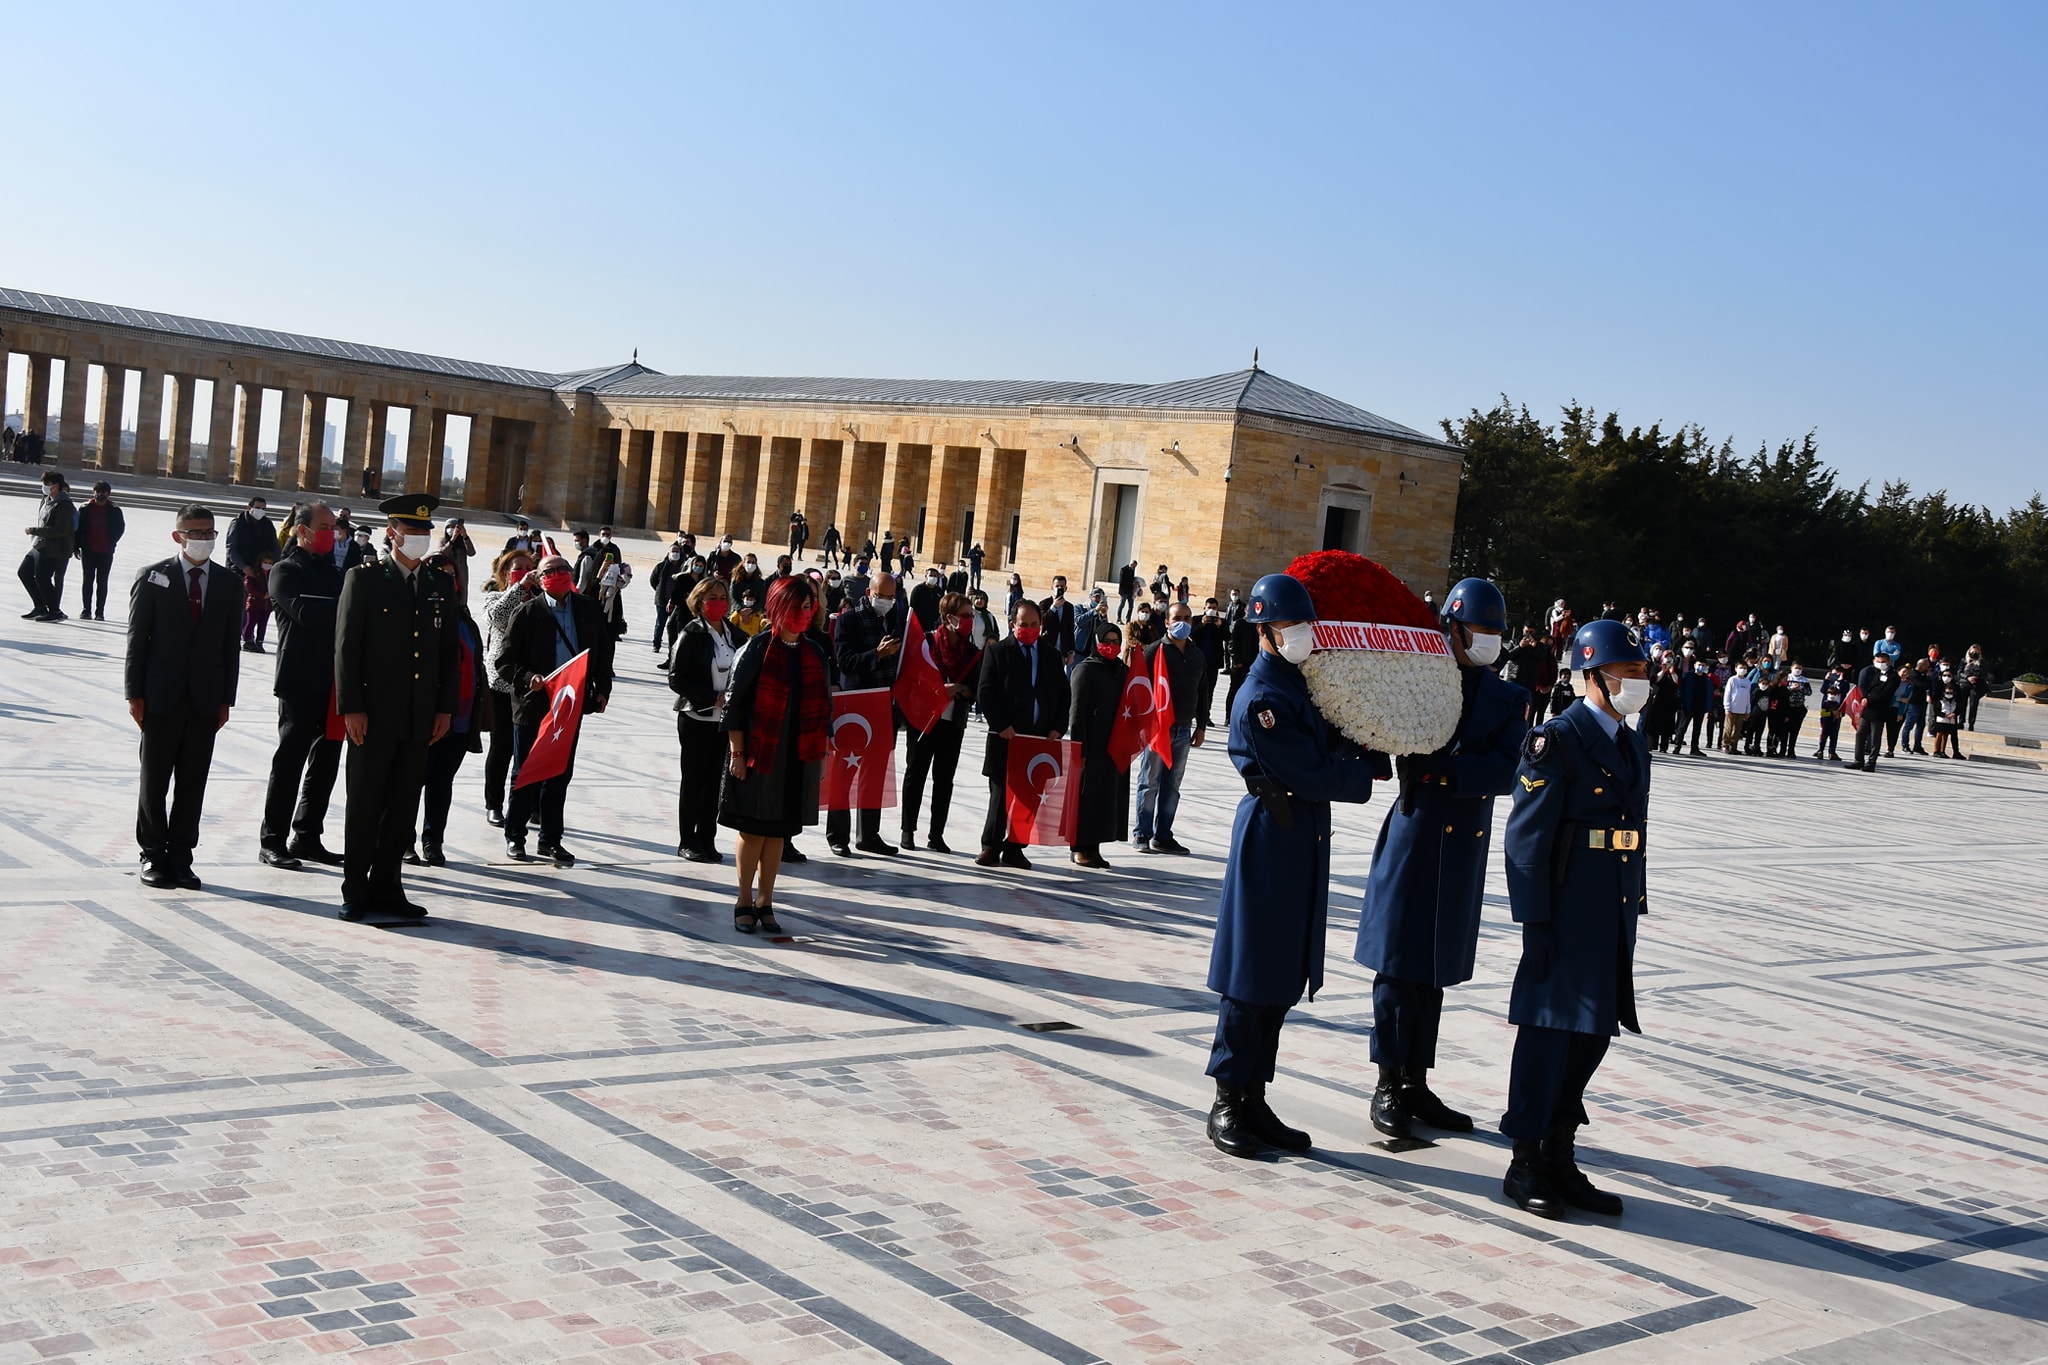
[1388, 701]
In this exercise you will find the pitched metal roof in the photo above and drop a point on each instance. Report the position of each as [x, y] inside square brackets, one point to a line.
[1254, 391]
[291, 342]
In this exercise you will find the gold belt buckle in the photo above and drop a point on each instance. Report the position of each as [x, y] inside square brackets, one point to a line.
[1627, 840]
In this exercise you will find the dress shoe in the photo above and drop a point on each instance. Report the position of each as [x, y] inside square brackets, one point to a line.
[313, 851]
[1266, 1125]
[843, 850]
[412, 857]
[185, 879]
[877, 847]
[494, 816]
[355, 912]
[158, 874]
[701, 855]
[1568, 1182]
[937, 844]
[1389, 1106]
[53, 616]
[1527, 1186]
[34, 614]
[1425, 1108]
[988, 857]
[1088, 857]
[562, 857]
[277, 857]
[1166, 843]
[1230, 1125]
[1014, 857]
[515, 849]
[791, 855]
[401, 909]
[432, 856]
[907, 841]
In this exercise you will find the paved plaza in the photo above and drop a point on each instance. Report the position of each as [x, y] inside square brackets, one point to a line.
[575, 1118]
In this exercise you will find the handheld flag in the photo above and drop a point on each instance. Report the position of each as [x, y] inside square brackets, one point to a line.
[552, 747]
[1852, 707]
[1043, 790]
[1127, 737]
[1161, 738]
[860, 771]
[920, 688]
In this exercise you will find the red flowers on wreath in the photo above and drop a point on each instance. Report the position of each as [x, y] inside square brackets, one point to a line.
[1349, 587]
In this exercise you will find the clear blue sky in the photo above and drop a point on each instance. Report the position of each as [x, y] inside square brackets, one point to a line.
[1762, 218]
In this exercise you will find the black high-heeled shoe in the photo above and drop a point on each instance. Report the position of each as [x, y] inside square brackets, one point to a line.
[765, 917]
[745, 918]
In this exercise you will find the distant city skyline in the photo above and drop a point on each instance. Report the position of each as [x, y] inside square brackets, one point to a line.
[1758, 219]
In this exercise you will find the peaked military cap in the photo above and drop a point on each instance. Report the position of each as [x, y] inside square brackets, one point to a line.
[414, 511]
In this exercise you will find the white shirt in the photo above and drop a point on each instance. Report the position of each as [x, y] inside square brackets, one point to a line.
[1737, 696]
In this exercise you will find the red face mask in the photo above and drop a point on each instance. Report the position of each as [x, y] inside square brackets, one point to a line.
[1108, 651]
[322, 542]
[1027, 635]
[794, 622]
[715, 609]
[557, 584]
[512, 576]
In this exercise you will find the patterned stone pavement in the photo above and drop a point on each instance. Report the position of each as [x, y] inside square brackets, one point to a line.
[574, 1118]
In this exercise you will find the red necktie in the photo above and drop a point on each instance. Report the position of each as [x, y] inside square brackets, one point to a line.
[198, 594]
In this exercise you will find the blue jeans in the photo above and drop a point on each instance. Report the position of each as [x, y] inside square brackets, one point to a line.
[1159, 787]
[1916, 726]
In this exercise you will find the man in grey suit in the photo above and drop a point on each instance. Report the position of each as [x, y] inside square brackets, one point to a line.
[184, 658]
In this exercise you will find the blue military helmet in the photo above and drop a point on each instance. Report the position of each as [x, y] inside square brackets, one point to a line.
[1478, 604]
[1600, 643]
[1279, 597]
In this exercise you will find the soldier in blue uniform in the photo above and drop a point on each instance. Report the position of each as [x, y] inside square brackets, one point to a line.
[1276, 888]
[1419, 927]
[1576, 886]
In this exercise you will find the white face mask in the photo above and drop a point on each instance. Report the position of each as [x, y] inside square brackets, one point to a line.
[1484, 649]
[195, 550]
[398, 543]
[881, 606]
[1627, 695]
[1297, 641]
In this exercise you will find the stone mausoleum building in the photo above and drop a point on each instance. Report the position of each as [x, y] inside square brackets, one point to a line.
[1223, 478]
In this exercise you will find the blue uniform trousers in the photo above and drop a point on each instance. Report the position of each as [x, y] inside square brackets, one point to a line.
[1405, 1017]
[1247, 1042]
[1547, 1083]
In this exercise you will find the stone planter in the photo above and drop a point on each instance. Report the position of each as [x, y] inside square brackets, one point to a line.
[2031, 691]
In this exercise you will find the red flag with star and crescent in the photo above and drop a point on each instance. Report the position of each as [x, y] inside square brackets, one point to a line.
[557, 738]
[921, 689]
[1133, 727]
[860, 770]
[1042, 789]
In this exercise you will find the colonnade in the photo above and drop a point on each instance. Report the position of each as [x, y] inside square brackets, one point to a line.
[944, 496]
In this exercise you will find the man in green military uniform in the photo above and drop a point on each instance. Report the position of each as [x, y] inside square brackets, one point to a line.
[396, 661]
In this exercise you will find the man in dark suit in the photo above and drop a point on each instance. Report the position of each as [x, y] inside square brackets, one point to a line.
[305, 587]
[396, 660]
[541, 637]
[1057, 614]
[867, 641]
[184, 659]
[924, 598]
[1023, 691]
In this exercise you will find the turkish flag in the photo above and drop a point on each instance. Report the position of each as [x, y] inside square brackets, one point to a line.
[920, 688]
[860, 771]
[336, 727]
[1043, 790]
[557, 738]
[1133, 727]
[1161, 738]
[1852, 707]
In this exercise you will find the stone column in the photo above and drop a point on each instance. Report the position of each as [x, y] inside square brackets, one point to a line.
[113, 398]
[248, 431]
[477, 490]
[817, 485]
[701, 468]
[220, 433]
[775, 488]
[736, 487]
[67, 435]
[663, 480]
[149, 423]
[312, 425]
[291, 432]
[951, 485]
[35, 404]
[373, 444]
[422, 456]
[179, 463]
[355, 436]
[904, 475]
[987, 463]
[636, 460]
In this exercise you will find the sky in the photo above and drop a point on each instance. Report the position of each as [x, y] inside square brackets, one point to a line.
[1766, 219]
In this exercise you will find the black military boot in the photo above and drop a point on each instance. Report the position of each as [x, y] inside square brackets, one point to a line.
[1389, 1108]
[1266, 1125]
[1528, 1183]
[1567, 1181]
[1425, 1108]
[1230, 1124]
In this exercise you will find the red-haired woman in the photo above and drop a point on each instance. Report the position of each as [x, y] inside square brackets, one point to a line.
[778, 718]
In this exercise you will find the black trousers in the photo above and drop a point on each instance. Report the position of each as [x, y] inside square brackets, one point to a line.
[1247, 1043]
[703, 746]
[1230, 700]
[1830, 735]
[1696, 720]
[839, 826]
[498, 756]
[385, 774]
[1715, 719]
[177, 745]
[546, 800]
[303, 752]
[437, 793]
[43, 576]
[1893, 723]
[1795, 721]
[1405, 1018]
[1547, 1081]
[1869, 740]
[97, 567]
[1970, 709]
[936, 754]
[995, 830]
